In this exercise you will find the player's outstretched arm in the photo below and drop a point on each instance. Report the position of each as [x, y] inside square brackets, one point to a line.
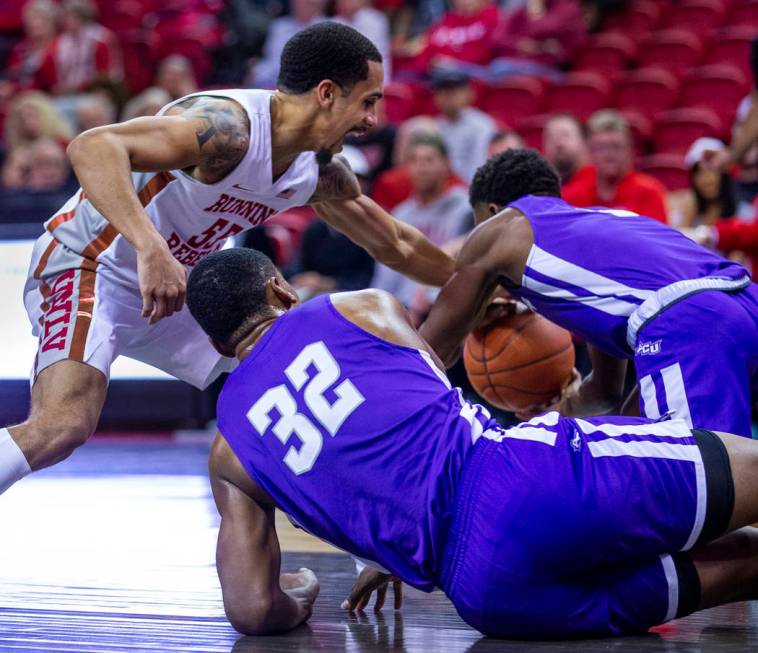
[485, 256]
[389, 241]
[208, 136]
[257, 600]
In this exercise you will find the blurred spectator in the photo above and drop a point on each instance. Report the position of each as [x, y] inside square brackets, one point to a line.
[46, 185]
[711, 193]
[544, 31]
[467, 130]
[463, 34]
[15, 168]
[40, 28]
[84, 52]
[304, 14]
[176, 76]
[371, 23]
[564, 145]
[147, 103]
[746, 179]
[394, 185]
[440, 211]
[49, 169]
[504, 140]
[32, 115]
[94, 110]
[611, 181]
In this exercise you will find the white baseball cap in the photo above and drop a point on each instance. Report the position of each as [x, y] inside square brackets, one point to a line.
[701, 146]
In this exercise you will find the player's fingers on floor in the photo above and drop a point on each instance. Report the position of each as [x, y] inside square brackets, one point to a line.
[381, 595]
[363, 601]
[397, 590]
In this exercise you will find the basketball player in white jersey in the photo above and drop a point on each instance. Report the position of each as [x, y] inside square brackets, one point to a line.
[157, 194]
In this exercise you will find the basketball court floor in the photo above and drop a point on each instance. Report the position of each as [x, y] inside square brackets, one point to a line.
[113, 550]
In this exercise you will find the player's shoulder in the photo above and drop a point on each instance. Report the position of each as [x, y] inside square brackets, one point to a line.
[369, 299]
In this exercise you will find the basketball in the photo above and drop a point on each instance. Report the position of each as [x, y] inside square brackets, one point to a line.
[519, 362]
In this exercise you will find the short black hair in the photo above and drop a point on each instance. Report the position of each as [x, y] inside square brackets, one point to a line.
[322, 51]
[227, 289]
[510, 175]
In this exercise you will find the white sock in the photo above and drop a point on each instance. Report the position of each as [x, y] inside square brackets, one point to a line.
[13, 465]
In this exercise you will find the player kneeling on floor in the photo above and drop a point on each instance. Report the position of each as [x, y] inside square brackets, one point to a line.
[339, 414]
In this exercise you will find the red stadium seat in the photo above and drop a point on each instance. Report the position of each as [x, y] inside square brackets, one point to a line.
[719, 88]
[637, 21]
[732, 46]
[677, 129]
[606, 53]
[512, 98]
[675, 50]
[580, 93]
[698, 16]
[531, 128]
[398, 102]
[669, 169]
[743, 13]
[648, 91]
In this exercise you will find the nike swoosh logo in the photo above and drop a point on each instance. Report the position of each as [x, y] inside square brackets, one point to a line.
[249, 190]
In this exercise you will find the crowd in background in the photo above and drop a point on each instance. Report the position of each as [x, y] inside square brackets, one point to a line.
[72, 65]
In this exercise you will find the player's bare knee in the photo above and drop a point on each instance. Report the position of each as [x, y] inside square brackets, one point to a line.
[54, 439]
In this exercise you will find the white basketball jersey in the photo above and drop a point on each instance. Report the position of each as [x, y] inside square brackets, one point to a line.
[195, 218]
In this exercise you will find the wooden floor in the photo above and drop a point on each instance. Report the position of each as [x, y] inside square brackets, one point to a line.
[113, 551]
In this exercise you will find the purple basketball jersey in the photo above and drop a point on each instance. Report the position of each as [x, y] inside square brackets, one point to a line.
[360, 441]
[590, 268]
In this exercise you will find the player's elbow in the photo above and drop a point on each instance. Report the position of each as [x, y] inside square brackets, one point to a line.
[82, 148]
[394, 253]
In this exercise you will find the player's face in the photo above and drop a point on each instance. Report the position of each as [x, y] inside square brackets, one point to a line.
[356, 111]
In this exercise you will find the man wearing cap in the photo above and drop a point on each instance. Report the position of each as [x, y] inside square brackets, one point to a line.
[467, 130]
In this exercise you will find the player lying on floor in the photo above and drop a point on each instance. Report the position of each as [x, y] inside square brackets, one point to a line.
[340, 415]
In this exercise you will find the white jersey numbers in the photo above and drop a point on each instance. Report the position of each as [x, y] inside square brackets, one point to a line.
[330, 416]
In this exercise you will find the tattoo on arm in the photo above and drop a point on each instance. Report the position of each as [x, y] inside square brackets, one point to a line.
[336, 181]
[224, 136]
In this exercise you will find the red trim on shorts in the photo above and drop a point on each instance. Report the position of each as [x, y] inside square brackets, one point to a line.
[44, 259]
[84, 314]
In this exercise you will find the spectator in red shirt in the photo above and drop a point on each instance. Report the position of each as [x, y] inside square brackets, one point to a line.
[611, 181]
[464, 33]
[84, 52]
[395, 185]
[564, 145]
[40, 28]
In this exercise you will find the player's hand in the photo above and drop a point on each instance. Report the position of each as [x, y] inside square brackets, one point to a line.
[369, 580]
[162, 282]
[301, 585]
[571, 388]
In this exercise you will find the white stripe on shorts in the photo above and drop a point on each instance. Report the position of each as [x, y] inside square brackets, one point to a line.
[673, 582]
[615, 448]
[649, 400]
[676, 397]
[533, 433]
[702, 492]
[674, 428]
